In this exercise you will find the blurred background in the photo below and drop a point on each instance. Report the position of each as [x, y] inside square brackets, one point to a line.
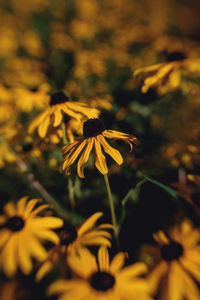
[99, 51]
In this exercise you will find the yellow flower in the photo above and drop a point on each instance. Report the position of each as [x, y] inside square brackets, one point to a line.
[21, 230]
[167, 76]
[94, 134]
[72, 239]
[59, 106]
[36, 97]
[177, 264]
[105, 280]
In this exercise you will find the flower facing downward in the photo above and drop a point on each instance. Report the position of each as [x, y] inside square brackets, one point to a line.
[105, 280]
[94, 134]
[21, 230]
[177, 263]
[72, 239]
[54, 114]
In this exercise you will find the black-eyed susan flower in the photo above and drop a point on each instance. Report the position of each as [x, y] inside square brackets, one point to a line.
[72, 239]
[21, 233]
[166, 76]
[103, 280]
[175, 263]
[94, 134]
[54, 114]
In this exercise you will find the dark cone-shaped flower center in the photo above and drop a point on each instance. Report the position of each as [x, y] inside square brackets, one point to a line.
[34, 89]
[173, 56]
[15, 223]
[102, 281]
[58, 98]
[67, 234]
[172, 251]
[93, 127]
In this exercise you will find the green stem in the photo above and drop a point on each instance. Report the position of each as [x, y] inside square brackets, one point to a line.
[70, 184]
[112, 208]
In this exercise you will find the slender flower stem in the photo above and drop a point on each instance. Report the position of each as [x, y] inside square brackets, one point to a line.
[70, 184]
[40, 188]
[112, 208]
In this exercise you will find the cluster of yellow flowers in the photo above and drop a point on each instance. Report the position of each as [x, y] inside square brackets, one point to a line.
[65, 66]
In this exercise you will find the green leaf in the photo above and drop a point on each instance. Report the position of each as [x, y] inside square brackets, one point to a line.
[164, 187]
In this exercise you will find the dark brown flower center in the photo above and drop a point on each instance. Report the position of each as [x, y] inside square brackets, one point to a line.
[93, 127]
[172, 251]
[67, 234]
[173, 56]
[58, 98]
[102, 281]
[15, 223]
[34, 89]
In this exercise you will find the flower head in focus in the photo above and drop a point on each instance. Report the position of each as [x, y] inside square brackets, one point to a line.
[103, 280]
[21, 233]
[94, 134]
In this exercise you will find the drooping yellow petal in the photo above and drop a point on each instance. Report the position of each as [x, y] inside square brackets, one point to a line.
[83, 109]
[72, 155]
[4, 237]
[68, 148]
[36, 249]
[37, 121]
[43, 127]
[191, 267]
[45, 268]
[174, 282]
[58, 116]
[8, 257]
[70, 112]
[161, 238]
[96, 240]
[89, 223]
[117, 262]
[115, 154]
[24, 255]
[103, 259]
[156, 275]
[100, 162]
[84, 157]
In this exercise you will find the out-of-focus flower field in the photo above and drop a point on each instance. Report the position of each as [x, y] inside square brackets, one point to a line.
[100, 149]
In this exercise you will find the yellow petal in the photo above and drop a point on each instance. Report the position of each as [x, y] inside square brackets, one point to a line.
[133, 270]
[100, 162]
[4, 236]
[83, 264]
[24, 255]
[39, 209]
[63, 285]
[115, 154]
[47, 235]
[10, 209]
[72, 155]
[45, 268]
[58, 116]
[46, 222]
[36, 249]
[8, 257]
[29, 207]
[21, 204]
[84, 157]
[117, 262]
[37, 121]
[156, 275]
[103, 259]
[89, 223]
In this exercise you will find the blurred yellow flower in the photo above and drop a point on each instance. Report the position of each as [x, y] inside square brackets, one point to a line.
[72, 239]
[103, 280]
[54, 114]
[176, 263]
[21, 233]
